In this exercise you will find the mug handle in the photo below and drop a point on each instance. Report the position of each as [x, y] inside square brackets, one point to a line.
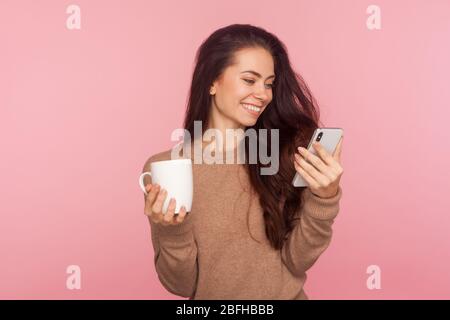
[141, 181]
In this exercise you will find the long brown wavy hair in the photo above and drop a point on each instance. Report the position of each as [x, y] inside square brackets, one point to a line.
[293, 111]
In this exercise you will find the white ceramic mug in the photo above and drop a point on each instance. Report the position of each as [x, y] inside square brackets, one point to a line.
[176, 177]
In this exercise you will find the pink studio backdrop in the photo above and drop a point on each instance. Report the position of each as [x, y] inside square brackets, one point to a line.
[81, 111]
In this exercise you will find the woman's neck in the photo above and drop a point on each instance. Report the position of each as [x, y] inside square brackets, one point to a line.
[221, 124]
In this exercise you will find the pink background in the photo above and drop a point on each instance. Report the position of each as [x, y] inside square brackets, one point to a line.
[81, 111]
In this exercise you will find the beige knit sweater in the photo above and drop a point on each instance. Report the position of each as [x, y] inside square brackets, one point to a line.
[211, 255]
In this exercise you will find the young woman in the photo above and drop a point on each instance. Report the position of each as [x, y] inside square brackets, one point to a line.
[248, 236]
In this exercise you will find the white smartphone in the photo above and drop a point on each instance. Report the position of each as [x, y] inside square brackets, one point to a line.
[328, 138]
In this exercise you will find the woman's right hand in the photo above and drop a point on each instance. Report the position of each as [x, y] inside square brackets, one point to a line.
[154, 201]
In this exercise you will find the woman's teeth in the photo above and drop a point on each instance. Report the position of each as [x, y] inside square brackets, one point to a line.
[250, 107]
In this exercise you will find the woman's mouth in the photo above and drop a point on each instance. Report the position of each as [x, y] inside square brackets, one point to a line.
[251, 109]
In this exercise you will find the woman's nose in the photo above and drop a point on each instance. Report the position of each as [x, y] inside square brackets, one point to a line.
[261, 94]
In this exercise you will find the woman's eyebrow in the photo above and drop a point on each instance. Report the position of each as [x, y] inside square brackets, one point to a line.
[257, 74]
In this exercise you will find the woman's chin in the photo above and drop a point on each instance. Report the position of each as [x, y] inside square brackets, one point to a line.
[245, 122]
[248, 120]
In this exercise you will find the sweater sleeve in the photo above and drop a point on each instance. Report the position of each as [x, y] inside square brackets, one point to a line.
[312, 234]
[175, 254]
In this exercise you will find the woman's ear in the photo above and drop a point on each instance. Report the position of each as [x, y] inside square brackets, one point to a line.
[213, 87]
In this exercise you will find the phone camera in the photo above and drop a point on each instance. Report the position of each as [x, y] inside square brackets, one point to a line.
[319, 136]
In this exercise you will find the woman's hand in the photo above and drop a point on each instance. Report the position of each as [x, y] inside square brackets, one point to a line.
[322, 174]
[154, 201]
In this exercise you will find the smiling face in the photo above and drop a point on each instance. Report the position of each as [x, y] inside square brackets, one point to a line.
[243, 90]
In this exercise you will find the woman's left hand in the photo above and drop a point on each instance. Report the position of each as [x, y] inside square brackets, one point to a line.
[322, 174]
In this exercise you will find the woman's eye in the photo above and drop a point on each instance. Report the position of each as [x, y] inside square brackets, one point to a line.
[253, 81]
